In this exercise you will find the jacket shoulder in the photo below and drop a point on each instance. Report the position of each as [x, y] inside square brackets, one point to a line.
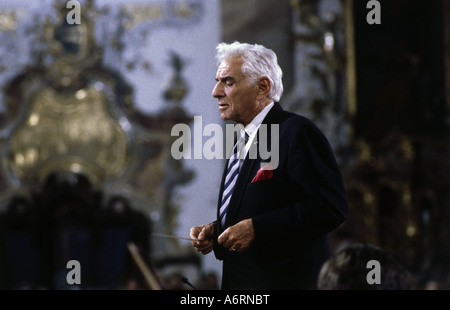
[297, 121]
[290, 121]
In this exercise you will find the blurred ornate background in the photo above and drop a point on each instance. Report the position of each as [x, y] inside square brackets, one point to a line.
[86, 112]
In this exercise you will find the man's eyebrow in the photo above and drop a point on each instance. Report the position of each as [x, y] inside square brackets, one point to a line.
[225, 78]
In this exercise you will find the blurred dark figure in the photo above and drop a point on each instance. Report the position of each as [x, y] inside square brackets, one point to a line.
[349, 270]
[208, 281]
[20, 246]
[69, 210]
[173, 282]
[65, 221]
[122, 224]
[114, 260]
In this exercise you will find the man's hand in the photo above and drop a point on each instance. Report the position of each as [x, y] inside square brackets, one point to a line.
[204, 237]
[239, 237]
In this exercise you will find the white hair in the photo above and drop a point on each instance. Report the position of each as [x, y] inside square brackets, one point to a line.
[258, 61]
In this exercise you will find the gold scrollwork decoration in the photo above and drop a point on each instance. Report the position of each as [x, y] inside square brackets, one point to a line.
[68, 131]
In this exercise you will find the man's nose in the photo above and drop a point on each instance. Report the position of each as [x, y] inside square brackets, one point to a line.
[217, 91]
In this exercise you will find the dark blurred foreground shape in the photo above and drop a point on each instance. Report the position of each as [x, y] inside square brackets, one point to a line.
[353, 268]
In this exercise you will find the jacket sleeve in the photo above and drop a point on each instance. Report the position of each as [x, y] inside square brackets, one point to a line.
[217, 248]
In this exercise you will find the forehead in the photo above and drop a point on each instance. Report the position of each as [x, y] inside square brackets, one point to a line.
[230, 67]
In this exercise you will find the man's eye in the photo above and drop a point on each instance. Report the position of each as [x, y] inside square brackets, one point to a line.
[229, 83]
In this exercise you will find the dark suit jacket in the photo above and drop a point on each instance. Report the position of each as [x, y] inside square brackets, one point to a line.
[292, 212]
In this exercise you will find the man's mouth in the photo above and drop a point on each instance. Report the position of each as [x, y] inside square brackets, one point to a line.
[223, 106]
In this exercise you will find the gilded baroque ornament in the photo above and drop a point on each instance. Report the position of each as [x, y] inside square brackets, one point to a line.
[69, 131]
[69, 109]
[66, 121]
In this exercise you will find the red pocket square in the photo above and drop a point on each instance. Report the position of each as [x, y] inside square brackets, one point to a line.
[264, 173]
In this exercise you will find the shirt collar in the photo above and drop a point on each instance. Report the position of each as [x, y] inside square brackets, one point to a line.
[253, 126]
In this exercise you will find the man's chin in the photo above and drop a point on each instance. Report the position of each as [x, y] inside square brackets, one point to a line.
[224, 116]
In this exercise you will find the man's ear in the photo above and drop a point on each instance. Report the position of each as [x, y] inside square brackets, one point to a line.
[264, 87]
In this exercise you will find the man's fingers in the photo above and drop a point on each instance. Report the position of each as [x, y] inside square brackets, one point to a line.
[202, 234]
[223, 237]
[204, 246]
[194, 232]
[226, 239]
[206, 250]
[237, 238]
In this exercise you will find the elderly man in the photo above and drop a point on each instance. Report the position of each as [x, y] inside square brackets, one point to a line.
[273, 217]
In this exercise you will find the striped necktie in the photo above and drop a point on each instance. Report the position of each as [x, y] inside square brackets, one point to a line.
[232, 175]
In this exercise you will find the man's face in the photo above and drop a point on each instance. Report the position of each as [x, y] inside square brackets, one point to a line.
[235, 94]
